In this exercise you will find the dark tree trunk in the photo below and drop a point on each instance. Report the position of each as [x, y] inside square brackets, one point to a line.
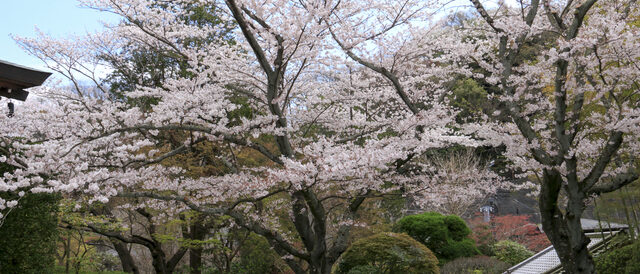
[195, 260]
[198, 232]
[158, 262]
[128, 264]
[320, 266]
[564, 230]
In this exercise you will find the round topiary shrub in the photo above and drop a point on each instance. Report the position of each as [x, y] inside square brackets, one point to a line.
[477, 264]
[388, 253]
[447, 236]
[511, 252]
[625, 259]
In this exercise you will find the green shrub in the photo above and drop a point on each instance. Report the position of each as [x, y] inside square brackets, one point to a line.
[625, 259]
[477, 264]
[365, 269]
[29, 235]
[511, 252]
[388, 253]
[446, 236]
[486, 250]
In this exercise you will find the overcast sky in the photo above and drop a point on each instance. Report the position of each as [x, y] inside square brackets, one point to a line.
[58, 18]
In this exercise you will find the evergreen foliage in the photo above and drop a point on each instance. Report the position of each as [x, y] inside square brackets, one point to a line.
[470, 98]
[388, 253]
[29, 235]
[625, 259]
[447, 236]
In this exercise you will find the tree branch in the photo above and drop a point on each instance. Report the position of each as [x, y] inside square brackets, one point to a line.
[613, 143]
[487, 18]
[616, 182]
[183, 199]
[251, 39]
[383, 71]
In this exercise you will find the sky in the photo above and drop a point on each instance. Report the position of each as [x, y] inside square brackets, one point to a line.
[58, 18]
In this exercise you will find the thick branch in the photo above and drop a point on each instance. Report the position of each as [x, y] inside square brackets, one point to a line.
[527, 131]
[273, 237]
[251, 39]
[175, 259]
[173, 198]
[341, 242]
[578, 18]
[554, 18]
[238, 217]
[616, 182]
[485, 15]
[386, 73]
[227, 137]
[613, 144]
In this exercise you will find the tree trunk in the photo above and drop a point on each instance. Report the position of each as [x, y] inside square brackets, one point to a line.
[128, 264]
[564, 230]
[68, 253]
[158, 258]
[320, 266]
[158, 262]
[198, 232]
[195, 260]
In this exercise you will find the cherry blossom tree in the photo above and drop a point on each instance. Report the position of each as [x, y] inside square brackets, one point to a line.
[565, 74]
[342, 99]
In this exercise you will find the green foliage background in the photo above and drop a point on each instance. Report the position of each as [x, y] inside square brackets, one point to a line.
[625, 259]
[29, 234]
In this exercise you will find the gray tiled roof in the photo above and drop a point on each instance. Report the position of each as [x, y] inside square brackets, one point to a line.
[547, 259]
[543, 261]
[592, 225]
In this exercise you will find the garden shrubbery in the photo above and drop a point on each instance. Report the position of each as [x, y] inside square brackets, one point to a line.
[29, 234]
[516, 228]
[388, 253]
[447, 236]
[511, 252]
[365, 269]
[477, 264]
[625, 259]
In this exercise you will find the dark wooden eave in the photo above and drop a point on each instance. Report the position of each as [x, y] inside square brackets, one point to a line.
[15, 78]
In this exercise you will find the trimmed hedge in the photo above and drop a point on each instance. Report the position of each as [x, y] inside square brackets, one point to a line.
[447, 236]
[388, 253]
